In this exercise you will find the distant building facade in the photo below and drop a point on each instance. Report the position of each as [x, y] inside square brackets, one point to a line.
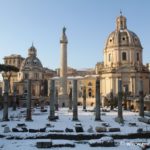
[14, 60]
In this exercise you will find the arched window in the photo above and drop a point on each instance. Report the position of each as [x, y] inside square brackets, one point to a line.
[89, 84]
[90, 92]
[124, 56]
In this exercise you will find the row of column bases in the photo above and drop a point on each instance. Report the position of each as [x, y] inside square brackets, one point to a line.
[74, 97]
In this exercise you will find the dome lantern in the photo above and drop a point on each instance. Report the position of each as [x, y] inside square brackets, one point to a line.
[32, 51]
[121, 22]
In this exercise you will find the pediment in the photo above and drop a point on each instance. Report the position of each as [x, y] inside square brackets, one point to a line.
[125, 69]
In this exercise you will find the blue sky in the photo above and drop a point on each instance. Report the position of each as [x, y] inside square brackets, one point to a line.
[88, 23]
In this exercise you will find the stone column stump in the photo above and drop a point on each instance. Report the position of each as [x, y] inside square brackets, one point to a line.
[74, 99]
[28, 101]
[5, 101]
[97, 108]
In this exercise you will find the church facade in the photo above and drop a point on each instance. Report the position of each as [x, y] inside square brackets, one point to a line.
[123, 60]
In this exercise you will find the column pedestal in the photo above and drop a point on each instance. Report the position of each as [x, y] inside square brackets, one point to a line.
[63, 100]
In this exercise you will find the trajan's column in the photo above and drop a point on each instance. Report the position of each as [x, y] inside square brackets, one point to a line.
[63, 96]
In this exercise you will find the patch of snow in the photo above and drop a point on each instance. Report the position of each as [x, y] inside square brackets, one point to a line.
[102, 140]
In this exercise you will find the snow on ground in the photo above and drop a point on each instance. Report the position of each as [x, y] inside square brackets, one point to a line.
[87, 119]
[31, 145]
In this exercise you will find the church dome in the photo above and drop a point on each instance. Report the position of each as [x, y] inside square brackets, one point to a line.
[31, 62]
[122, 36]
[123, 47]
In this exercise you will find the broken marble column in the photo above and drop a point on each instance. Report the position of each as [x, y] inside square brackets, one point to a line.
[74, 99]
[52, 100]
[84, 98]
[56, 99]
[70, 99]
[28, 101]
[42, 96]
[97, 107]
[141, 99]
[125, 97]
[14, 96]
[119, 119]
[5, 101]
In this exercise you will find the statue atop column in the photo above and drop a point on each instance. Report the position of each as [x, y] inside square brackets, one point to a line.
[64, 30]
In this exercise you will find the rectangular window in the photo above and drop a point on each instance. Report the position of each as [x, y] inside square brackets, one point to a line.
[36, 76]
[109, 57]
[137, 56]
[26, 76]
[124, 56]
